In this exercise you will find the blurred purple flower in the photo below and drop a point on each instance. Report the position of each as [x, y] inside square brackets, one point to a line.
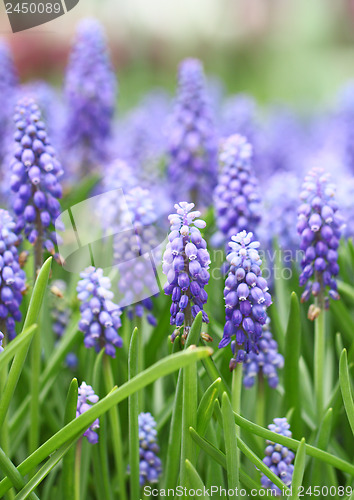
[86, 398]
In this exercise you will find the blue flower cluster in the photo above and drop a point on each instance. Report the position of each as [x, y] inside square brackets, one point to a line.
[86, 398]
[185, 263]
[100, 317]
[8, 88]
[192, 146]
[35, 178]
[136, 247]
[319, 226]
[90, 90]
[236, 197]
[150, 464]
[278, 458]
[246, 298]
[12, 281]
[266, 362]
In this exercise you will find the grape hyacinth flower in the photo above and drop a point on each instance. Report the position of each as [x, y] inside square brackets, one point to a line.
[86, 398]
[35, 180]
[12, 282]
[265, 363]
[278, 458]
[319, 226]
[8, 89]
[100, 317]
[150, 464]
[136, 248]
[236, 197]
[186, 263]
[192, 147]
[90, 91]
[246, 298]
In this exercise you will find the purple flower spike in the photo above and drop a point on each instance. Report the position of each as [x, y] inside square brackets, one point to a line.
[90, 90]
[192, 147]
[246, 298]
[12, 277]
[236, 195]
[278, 458]
[35, 178]
[186, 263]
[100, 330]
[320, 227]
[266, 362]
[86, 398]
[150, 464]
[8, 89]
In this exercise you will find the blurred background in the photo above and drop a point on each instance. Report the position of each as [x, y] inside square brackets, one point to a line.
[292, 51]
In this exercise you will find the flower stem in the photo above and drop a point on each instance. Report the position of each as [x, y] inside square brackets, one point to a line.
[319, 358]
[236, 390]
[141, 361]
[115, 429]
[78, 469]
[260, 404]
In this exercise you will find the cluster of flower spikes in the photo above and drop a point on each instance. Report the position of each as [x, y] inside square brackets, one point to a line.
[192, 146]
[150, 464]
[278, 458]
[246, 298]
[136, 248]
[12, 277]
[86, 398]
[90, 90]
[8, 88]
[319, 226]
[35, 178]
[100, 317]
[185, 263]
[266, 362]
[236, 197]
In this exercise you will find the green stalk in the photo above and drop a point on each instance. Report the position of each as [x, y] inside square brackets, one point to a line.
[115, 429]
[133, 409]
[141, 361]
[4, 430]
[260, 403]
[319, 357]
[78, 469]
[236, 402]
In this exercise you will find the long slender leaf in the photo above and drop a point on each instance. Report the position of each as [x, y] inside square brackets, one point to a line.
[8, 468]
[12, 348]
[294, 444]
[346, 388]
[133, 403]
[69, 459]
[291, 366]
[206, 406]
[299, 467]
[194, 479]
[160, 369]
[232, 458]
[31, 318]
[322, 443]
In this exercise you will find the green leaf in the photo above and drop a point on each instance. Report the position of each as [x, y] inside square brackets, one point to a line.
[232, 458]
[206, 406]
[344, 319]
[346, 388]
[133, 407]
[322, 443]
[291, 365]
[194, 479]
[13, 347]
[299, 468]
[8, 468]
[194, 333]
[67, 480]
[346, 290]
[164, 367]
[294, 444]
[30, 320]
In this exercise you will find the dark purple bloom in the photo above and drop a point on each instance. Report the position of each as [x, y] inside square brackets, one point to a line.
[35, 178]
[90, 90]
[86, 398]
[192, 147]
[12, 282]
[266, 362]
[100, 317]
[278, 458]
[150, 464]
[8, 89]
[186, 263]
[246, 298]
[236, 197]
[319, 226]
